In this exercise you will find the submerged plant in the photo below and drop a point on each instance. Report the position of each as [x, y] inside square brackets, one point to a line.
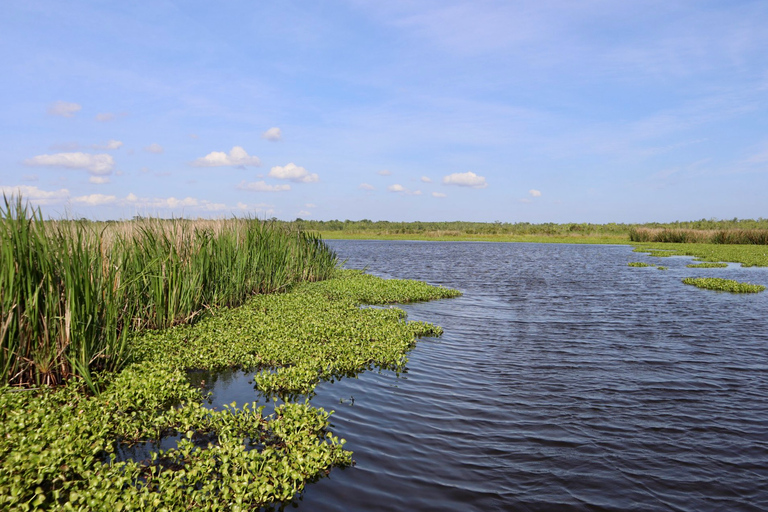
[725, 285]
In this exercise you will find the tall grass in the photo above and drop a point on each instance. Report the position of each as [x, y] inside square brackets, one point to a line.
[70, 291]
[694, 236]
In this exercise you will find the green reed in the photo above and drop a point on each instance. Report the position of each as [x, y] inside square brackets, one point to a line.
[70, 291]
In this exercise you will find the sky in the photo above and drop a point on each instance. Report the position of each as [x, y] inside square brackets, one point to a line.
[513, 111]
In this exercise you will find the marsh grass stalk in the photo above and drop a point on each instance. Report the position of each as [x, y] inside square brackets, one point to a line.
[691, 236]
[70, 291]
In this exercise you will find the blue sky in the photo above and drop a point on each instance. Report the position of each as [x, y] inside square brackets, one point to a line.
[536, 111]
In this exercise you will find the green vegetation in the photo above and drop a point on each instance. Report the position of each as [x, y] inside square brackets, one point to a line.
[747, 255]
[639, 264]
[659, 267]
[725, 285]
[707, 265]
[57, 447]
[70, 291]
[686, 236]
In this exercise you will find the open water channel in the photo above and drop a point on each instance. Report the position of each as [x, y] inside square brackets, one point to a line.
[565, 380]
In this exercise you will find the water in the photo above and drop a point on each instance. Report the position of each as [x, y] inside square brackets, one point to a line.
[565, 380]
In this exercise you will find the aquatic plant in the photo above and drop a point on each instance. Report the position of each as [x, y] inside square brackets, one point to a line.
[70, 291]
[725, 285]
[707, 265]
[747, 255]
[659, 267]
[639, 264]
[58, 446]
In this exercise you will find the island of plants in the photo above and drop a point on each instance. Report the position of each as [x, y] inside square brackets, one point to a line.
[100, 327]
[723, 285]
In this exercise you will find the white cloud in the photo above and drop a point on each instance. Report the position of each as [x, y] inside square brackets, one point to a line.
[95, 199]
[171, 203]
[465, 179]
[367, 186]
[154, 148]
[36, 195]
[310, 205]
[103, 117]
[110, 144]
[534, 192]
[438, 194]
[384, 172]
[397, 188]
[95, 164]
[294, 173]
[426, 179]
[304, 213]
[273, 134]
[262, 186]
[64, 109]
[98, 179]
[237, 157]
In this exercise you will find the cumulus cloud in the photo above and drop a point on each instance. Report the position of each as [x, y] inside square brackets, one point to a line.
[103, 117]
[95, 164]
[293, 172]
[438, 194]
[64, 109]
[273, 134]
[402, 190]
[262, 186]
[98, 179]
[95, 199]
[304, 213]
[426, 179]
[534, 192]
[465, 179]
[384, 172]
[237, 157]
[171, 203]
[154, 148]
[110, 144]
[36, 195]
[367, 186]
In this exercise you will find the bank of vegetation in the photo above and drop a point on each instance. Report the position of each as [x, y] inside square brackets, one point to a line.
[734, 231]
[71, 291]
[723, 285]
[102, 324]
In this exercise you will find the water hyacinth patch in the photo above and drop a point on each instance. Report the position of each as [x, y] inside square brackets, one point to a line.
[707, 265]
[725, 285]
[639, 264]
[58, 447]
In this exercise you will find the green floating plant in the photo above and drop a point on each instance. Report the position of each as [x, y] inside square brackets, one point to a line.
[724, 285]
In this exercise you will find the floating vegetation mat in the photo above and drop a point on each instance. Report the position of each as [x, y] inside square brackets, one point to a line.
[58, 446]
[724, 285]
[639, 264]
[707, 264]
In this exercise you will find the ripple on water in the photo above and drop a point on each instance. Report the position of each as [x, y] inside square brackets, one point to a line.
[565, 380]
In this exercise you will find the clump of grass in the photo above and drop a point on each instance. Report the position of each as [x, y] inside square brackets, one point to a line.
[707, 264]
[725, 285]
[700, 236]
[659, 267]
[70, 291]
[639, 264]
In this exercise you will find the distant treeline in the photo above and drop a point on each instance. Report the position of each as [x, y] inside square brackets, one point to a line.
[458, 228]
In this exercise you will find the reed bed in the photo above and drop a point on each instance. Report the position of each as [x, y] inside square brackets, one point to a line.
[71, 291]
[696, 236]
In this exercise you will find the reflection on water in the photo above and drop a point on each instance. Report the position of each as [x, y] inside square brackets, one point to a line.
[565, 380]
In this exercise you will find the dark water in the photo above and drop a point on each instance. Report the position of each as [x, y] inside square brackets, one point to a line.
[565, 380]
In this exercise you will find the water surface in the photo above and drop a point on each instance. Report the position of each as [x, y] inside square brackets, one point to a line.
[565, 380]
